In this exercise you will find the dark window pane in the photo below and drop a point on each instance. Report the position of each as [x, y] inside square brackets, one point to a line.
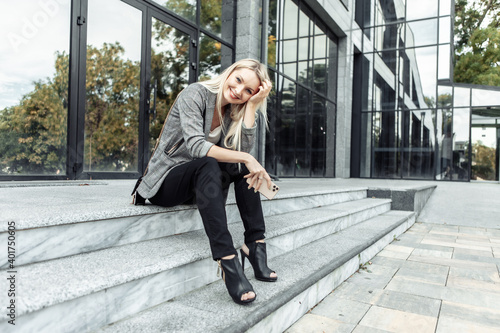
[319, 135]
[386, 131]
[302, 134]
[285, 126]
[34, 88]
[418, 144]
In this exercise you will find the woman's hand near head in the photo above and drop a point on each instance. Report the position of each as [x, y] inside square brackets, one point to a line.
[264, 90]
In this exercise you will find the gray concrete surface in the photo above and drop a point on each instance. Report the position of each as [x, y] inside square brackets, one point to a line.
[442, 275]
[408, 287]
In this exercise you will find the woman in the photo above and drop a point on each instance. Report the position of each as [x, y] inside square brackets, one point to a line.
[209, 132]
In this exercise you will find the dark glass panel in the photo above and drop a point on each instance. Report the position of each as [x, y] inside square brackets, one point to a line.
[386, 132]
[418, 144]
[303, 137]
[217, 17]
[319, 136]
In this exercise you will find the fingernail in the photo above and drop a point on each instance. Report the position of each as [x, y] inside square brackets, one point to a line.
[255, 191]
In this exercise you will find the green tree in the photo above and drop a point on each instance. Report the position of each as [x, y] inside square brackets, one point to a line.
[33, 133]
[477, 36]
[483, 166]
[112, 109]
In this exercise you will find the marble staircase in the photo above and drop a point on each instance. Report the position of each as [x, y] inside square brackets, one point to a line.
[150, 269]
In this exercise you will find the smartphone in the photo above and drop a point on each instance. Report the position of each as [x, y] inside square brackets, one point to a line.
[268, 193]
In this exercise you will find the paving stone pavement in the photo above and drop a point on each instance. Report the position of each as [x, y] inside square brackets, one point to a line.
[433, 278]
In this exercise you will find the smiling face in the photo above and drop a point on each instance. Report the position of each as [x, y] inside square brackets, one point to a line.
[240, 86]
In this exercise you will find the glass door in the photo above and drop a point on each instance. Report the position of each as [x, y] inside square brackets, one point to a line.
[113, 87]
[171, 68]
[138, 58]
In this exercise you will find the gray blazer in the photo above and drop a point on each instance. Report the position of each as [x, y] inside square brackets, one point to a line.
[185, 134]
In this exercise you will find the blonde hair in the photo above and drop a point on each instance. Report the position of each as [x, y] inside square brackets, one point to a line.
[216, 86]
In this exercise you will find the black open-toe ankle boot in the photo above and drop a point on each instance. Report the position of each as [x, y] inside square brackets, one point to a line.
[257, 255]
[236, 281]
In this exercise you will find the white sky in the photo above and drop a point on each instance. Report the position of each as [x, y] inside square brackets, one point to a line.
[33, 30]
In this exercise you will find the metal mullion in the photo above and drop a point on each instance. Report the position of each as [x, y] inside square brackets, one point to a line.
[81, 99]
[144, 151]
[75, 43]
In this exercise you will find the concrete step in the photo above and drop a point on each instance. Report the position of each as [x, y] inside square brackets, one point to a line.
[100, 220]
[306, 275]
[87, 291]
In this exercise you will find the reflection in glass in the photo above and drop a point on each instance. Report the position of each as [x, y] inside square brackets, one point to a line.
[461, 126]
[304, 73]
[319, 135]
[386, 36]
[286, 125]
[304, 24]
[444, 30]
[271, 36]
[483, 97]
[289, 50]
[169, 71]
[418, 9]
[444, 62]
[184, 8]
[217, 17]
[112, 87]
[426, 72]
[461, 97]
[214, 57]
[366, 144]
[386, 154]
[302, 134]
[289, 22]
[34, 89]
[418, 144]
[445, 7]
[271, 137]
[485, 139]
[423, 32]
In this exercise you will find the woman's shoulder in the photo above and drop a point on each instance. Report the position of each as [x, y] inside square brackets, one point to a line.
[197, 87]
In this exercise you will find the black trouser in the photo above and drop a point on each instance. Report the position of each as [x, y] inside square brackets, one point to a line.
[206, 182]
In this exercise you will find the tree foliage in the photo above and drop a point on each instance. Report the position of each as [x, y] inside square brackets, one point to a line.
[483, 167]
[33, 133]
[477, 36]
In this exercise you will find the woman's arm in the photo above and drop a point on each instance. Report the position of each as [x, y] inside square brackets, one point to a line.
[257, 173]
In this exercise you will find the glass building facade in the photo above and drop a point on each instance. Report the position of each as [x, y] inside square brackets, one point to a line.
[362, 88]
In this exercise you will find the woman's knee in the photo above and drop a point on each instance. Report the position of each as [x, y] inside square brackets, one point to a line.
[209, 164]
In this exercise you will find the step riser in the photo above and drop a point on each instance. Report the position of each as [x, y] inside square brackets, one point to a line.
[293, 240]
[288, 314]
[47, 243]
[93, 311]
[129, 298]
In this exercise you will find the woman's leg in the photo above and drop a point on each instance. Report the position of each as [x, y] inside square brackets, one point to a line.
[200, 179]
[247, 200]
